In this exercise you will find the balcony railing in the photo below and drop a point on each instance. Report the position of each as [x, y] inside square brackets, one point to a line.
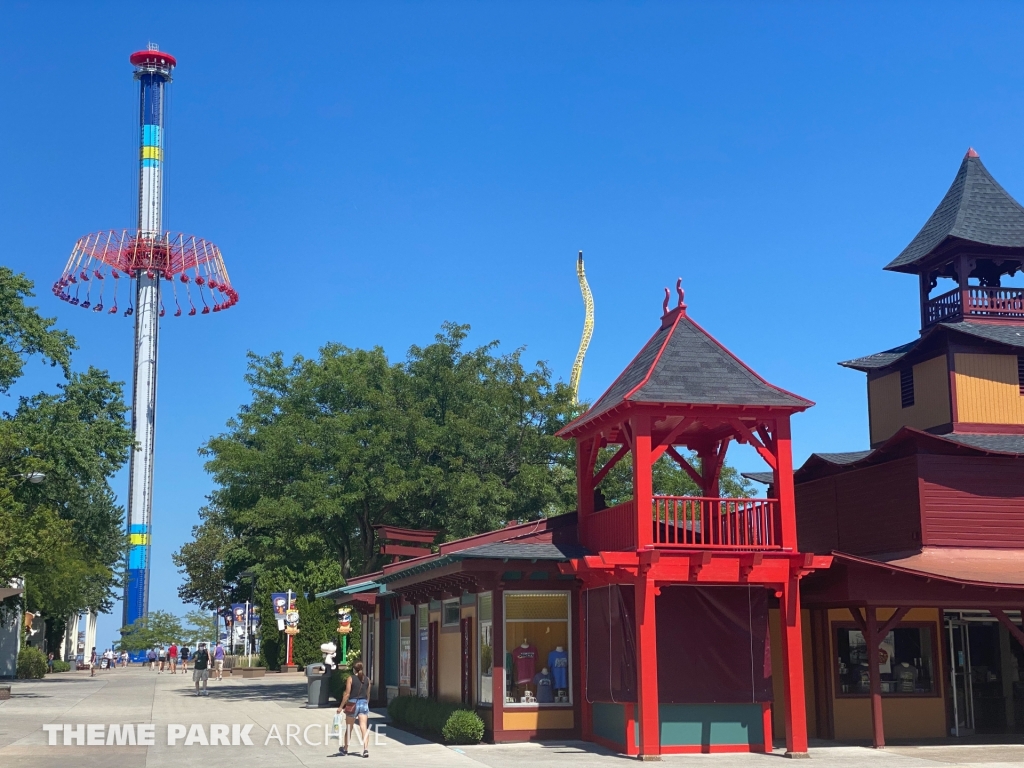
[718, 523]
[975, 301]
[612, 529]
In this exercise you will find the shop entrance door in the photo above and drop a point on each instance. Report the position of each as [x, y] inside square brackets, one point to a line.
[960, 676]
[984, 675]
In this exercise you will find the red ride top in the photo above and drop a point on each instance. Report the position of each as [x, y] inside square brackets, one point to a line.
[160, 58]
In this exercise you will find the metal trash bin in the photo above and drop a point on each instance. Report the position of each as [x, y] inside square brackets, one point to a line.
[318, 686]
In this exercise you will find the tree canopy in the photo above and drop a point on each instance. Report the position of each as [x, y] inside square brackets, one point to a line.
[451, 438]
[65, 535]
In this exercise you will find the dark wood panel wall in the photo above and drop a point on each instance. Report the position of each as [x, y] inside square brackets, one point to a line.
[972, 501]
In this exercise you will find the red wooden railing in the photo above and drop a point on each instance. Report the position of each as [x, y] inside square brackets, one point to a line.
[975, 301]
[612, 529]
[721, 523]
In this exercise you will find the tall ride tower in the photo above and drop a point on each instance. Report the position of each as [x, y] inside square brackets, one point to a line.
[151, 260]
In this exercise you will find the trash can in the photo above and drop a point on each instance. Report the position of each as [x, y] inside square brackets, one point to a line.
[318, 686]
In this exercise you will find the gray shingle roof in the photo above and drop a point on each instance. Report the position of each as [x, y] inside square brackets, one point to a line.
[760, 477]
[513, 551]
[682, 364]
[996, 443]
[1010, 335]
[850, 457]
[976, 209]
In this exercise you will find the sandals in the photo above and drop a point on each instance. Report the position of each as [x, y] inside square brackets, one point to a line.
[366, 753]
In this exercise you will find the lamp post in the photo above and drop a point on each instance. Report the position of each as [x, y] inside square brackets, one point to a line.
[249, 576]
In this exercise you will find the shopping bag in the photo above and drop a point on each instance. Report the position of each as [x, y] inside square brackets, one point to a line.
[336, 725]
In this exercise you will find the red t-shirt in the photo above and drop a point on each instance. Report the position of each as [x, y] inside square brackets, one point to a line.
[173, 651]
[525, 660]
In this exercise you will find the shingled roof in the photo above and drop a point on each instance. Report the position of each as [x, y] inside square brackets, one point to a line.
[976, 209]
[1010, 335]
[683, 364]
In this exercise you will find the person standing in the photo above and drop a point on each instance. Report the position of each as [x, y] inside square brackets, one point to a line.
[92, 662]
[218, 660]
[201, 669]
[124, 658]
[151, 658]
[49, 662]
[172, 658]
[356, 706]
[183, 655]
[161, 652]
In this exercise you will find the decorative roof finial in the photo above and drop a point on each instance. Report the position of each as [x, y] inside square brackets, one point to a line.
[664, 304]
[679, 292]
[971, 152]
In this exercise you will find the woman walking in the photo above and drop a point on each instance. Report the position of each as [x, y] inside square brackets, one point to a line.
[183, 655]
[355, 704]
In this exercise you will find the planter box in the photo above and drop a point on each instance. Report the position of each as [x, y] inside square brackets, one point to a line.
[5, 692]
[247, 672]
[289, 668]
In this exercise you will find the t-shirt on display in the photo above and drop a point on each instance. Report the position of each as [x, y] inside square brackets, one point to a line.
[558, 663]
[543, 684]
[525, 660]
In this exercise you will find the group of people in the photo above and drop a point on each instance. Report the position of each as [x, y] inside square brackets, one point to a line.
[173, 656]
[110, 656]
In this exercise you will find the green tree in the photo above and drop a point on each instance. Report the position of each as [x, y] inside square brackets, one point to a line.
[201, 627]
[64, 536]
[156, 629]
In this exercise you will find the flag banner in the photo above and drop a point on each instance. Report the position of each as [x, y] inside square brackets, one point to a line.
[280, 602]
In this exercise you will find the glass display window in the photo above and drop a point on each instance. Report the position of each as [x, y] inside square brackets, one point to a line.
[906, 661]
[451, 612]
[538, 651]
[405, 652]
[485, 647]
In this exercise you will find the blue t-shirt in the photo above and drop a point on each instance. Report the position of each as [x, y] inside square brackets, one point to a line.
[543, 684]
[558, 663]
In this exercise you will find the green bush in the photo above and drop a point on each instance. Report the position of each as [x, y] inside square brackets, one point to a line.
[31, 664]
[463, 727]
[337, 684]
[431, 718]
[61, 666]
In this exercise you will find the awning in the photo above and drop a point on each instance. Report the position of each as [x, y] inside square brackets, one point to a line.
[983, 567]
[352, 589]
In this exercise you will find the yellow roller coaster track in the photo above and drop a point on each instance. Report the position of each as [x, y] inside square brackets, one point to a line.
[588, 327]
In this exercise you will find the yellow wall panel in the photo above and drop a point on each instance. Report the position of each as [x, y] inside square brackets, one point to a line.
[538, 719]
[987, 389]
[449, 666]
[931, 400]
[778, 682]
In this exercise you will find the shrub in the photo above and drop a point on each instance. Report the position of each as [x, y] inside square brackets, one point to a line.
[463, 727]
[431, 718]
[61, 666]
[31, 664]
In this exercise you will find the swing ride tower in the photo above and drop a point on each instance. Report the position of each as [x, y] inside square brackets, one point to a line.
[153, 262]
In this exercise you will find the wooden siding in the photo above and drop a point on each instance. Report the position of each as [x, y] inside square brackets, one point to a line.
[974, 501]
[870, 510]
[816, 526]
[931, 400]
[987, 389]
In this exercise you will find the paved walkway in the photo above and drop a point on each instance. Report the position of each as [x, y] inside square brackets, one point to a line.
[267, 709]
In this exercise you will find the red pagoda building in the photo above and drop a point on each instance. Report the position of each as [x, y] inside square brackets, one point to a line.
[675, 594]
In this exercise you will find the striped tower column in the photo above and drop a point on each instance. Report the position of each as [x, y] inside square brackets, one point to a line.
[153, 71]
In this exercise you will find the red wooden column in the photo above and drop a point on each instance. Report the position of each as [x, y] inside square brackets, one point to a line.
[874, 677]
[580, 667]
[649, 719]
[793, 669]
[784, 483]
[643, 492]
[584, 485]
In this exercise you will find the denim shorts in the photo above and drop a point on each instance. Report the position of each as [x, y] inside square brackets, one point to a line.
[362, 707]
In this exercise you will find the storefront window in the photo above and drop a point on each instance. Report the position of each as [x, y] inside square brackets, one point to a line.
[485, 643]
[537, 648]
[422, 648]
[905, 662]
[405, 652]
[370, 645]
[450, 613]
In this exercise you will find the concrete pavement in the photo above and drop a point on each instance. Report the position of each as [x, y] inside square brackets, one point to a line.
[269, 712]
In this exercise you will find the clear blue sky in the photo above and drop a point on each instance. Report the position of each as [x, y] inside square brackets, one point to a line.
[372, 170]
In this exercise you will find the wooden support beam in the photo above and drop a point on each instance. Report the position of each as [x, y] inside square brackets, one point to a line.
[746, 436]
[872, 639]
[666, 442]
[766, 437]
[1016, 631]
[793, 669]
[687, 467]
[596, 480]
[895, 619]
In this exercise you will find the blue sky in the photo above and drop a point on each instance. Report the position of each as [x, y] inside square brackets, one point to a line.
[373, 170]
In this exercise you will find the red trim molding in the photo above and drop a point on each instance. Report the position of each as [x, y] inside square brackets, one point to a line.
[964, 427]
